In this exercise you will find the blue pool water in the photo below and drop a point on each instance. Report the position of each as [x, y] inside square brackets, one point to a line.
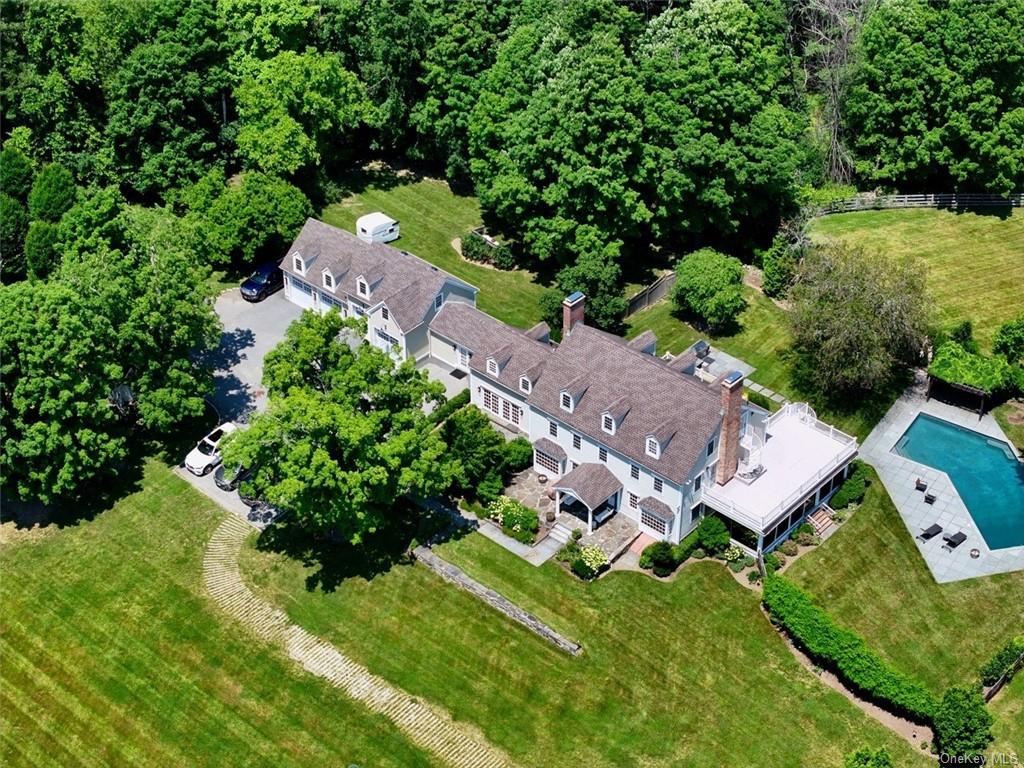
[985, 472]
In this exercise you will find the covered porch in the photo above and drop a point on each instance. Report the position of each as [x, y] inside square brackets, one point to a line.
[589, 492]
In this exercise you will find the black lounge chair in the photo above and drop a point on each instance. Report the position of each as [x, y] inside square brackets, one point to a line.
[920, 485]
[954, 541]
[929, 498]
[930, 532]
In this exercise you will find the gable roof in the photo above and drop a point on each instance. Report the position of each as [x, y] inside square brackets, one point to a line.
[407, 284]
[655, 400]
[593, 484]
[517, 353]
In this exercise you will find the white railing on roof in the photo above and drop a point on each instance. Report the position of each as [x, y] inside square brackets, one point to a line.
[751, 519]
[806, 415]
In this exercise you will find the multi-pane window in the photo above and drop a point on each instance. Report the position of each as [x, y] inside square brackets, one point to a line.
[696, 483]
[653, 522]
[362, 288]
[652, 447]
[549, 463]
[659, 486]
[492, 366]
[634, 472]
[634, 501]
[552, 429]
[608, 424]
[298, 264]
[566, 401]
[711, 447]
[576, 442]
[602, 453]
[328, 280]
[524, 384]
[384, 313]
[438, 300]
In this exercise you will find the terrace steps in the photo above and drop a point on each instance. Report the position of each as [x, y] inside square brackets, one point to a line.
[429, 727]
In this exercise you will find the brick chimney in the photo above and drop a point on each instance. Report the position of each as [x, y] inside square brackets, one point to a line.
[729, 440]
[573, 307]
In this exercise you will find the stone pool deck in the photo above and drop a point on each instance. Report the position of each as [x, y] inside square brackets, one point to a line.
[899, 476]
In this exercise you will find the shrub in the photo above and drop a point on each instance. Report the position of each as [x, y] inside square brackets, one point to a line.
[516, 519]
[733, 554]
[568, 553]
[779, 267]
[712, 535]
[15, 174]
[489, 489]
[866, 758]
[760, 400]
[446, 409]
[843, 651]
[852, 490]
[577, 534]
[780, 559]
[53, 193]
[963, 334]
[772, 563]
[518, 454]
[789, 547]
[748, 561]
[660, 557]
[754, 576]
[962, 723]
[1009, 340]
[807, 539]
[699, 553]
[41, 254]
[1003, 661]
[709, 285]
[736, 565]
[589, 562]
[475, 248]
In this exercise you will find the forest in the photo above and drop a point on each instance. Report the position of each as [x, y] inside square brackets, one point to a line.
[148, 143]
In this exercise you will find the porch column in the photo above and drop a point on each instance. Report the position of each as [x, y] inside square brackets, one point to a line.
[558, 503]
[760, 543]
[590, 520]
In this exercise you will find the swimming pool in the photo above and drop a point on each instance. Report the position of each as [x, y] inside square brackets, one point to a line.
[984, 471]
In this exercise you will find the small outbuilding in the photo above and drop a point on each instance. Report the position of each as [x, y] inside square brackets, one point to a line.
[376, 227]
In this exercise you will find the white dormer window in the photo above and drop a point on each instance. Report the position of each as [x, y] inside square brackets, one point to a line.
[524, 384]
[567, 403]
[384, 313]
[362, 288]
[328, 280]
[438, 300]
[300, 266]
[608, 423]
[492, 366]
[653, 448]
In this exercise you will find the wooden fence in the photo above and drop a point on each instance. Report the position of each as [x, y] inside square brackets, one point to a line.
[1007, 676]
[653, 293]
[868, 202]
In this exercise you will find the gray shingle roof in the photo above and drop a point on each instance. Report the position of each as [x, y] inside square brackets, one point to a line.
[550, 447]
[518, 354]
[657, 507]
[593, 484]
[659, 400]
[405, 283]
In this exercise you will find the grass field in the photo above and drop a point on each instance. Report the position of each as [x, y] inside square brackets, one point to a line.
[681, 673]
[872, 579]
[431, 217]
[1009, 417]
[1008, 710]
[112, 656]
[974, 261]
[762, 339]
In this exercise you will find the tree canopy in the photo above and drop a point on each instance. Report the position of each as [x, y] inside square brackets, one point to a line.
[709, 285]
[345, 435]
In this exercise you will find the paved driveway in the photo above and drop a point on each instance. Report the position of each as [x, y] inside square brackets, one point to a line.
[250, 331]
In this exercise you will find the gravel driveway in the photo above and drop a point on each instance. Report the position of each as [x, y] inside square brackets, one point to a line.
[250, 331]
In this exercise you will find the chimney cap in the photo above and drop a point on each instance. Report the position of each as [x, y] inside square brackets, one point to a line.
[732, 379]
[574, 298]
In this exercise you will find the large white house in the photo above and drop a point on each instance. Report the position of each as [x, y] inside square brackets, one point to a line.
[617, 429]
[398, 293]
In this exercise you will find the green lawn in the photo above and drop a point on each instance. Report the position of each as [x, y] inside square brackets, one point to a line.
[1008, 709]
[681, 673]
[872, 579]
[762, 339]
[974, 260]
[431, 216]
[112, 655]
[1013, 430]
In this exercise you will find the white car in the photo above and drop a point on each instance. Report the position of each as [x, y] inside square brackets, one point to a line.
[205, 455]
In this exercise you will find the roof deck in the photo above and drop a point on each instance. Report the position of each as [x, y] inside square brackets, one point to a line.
[799, 454]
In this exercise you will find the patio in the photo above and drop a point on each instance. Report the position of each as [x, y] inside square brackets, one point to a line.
[899, 476]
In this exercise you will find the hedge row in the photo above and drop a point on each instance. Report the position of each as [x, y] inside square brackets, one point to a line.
[1003, 661]
[844, 652]
[475, 248]
[449, 407]
[664, 558]
[853, 489]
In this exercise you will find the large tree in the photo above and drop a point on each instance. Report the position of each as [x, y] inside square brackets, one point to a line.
[294, 107]
[58, 429]
[937, 103]
[345, 436]
[720, 140]
[858, 318]
[709, 285]
[13, 228]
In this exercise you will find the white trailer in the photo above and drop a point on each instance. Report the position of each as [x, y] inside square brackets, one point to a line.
[376, 227]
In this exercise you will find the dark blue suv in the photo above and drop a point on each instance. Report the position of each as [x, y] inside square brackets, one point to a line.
[264, 281]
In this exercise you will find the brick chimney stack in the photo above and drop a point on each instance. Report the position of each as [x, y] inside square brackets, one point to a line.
[573, 307]
[729, 440]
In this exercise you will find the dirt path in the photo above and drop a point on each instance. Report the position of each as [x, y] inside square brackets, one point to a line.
[427, 726]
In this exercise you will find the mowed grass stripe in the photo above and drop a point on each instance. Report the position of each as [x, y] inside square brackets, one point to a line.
[974, 261]
[130, 641]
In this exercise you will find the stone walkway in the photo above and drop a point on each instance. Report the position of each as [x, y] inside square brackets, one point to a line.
[770, 394]
[899, 474]
[428, 727]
